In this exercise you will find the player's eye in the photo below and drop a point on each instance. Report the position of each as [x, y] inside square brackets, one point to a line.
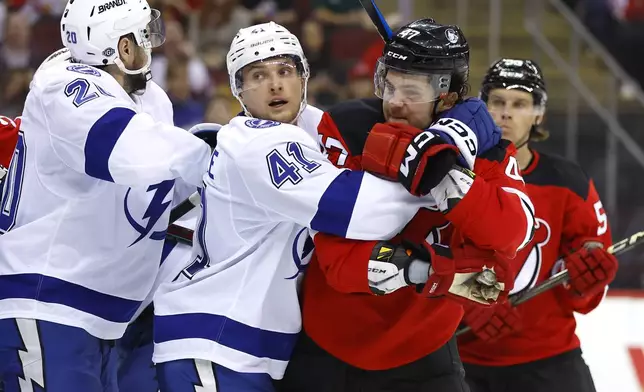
[389, 88]
[286, 71]
[411, 93]
[495, 102]
[258, 75]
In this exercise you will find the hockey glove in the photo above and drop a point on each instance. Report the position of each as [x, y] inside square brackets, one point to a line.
[494, 322]
[467, 275]
[417, 159]
[389, 268]
[452, 188]
[590, 270]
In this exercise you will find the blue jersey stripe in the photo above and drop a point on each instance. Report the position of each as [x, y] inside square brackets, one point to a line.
[336, 204]
[101, 140]
[227, 332]
[57, 291]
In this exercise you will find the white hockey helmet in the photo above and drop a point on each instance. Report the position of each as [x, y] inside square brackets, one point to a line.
[91, 30]
[261, 42]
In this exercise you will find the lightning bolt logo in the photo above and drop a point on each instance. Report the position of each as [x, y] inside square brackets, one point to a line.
[153, 213]
[206, 376]
[33, 377]
[301, 253]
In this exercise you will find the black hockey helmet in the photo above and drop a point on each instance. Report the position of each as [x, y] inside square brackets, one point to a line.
[521, 74]
[516, 74]
[428, 48]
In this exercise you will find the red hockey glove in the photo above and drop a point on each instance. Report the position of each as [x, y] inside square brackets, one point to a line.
[590, 270]
[466, 274]
[8, 139]
[491, 323]
[417, 159]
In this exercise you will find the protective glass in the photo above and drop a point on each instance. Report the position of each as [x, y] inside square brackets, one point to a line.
[398, 85]
[266, 72]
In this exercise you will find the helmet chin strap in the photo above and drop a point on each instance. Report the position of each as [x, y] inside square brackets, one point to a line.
[145, 70]
[526, 139]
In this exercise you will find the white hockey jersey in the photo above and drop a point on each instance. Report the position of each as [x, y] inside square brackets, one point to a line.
[236, 304]
[87, 205]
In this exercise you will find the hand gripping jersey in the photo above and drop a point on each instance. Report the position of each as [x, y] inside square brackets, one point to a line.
[340, 312]
[237, 304]
[568, 210]
[88, 202]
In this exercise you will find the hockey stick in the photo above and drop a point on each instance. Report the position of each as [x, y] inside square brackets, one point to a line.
[184, 207]
[177, 232]
[555, 280]
[377, 18]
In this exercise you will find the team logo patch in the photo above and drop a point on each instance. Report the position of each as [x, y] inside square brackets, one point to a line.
[303, 247]
[451, 36]
[83, 69]
[257, 123]
[532, 266]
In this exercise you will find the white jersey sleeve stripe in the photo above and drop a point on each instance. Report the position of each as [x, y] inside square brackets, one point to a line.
[48, 289]
[336, 204]
[102, 138]
[255, 341]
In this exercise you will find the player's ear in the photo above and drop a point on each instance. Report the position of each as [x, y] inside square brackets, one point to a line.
[538, 120]
[447, 101]
[125, 48]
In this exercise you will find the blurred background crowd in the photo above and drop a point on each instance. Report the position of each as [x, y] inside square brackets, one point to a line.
[591, 52]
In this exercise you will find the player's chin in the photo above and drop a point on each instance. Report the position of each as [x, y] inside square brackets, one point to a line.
[284, 114]
[397, 120]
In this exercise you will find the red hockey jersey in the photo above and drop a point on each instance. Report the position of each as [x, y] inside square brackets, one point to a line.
[568, 212]
[381, 332]
[8, 139]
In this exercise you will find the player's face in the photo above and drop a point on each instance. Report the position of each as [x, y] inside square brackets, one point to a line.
[514, 112]
[406, 98]
[272, 89]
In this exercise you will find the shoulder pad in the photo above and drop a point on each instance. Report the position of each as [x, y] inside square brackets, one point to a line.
[354, 119]
[555, 170]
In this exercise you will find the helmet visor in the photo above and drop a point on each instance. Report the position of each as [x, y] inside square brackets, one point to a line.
[154, 33]
[396, 84]
[272, 71]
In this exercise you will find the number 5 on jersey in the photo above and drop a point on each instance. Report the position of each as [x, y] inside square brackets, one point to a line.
[284, 170]
[601, 218]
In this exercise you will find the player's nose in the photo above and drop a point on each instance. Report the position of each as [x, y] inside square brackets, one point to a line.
[506, 113]
[276, 84]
